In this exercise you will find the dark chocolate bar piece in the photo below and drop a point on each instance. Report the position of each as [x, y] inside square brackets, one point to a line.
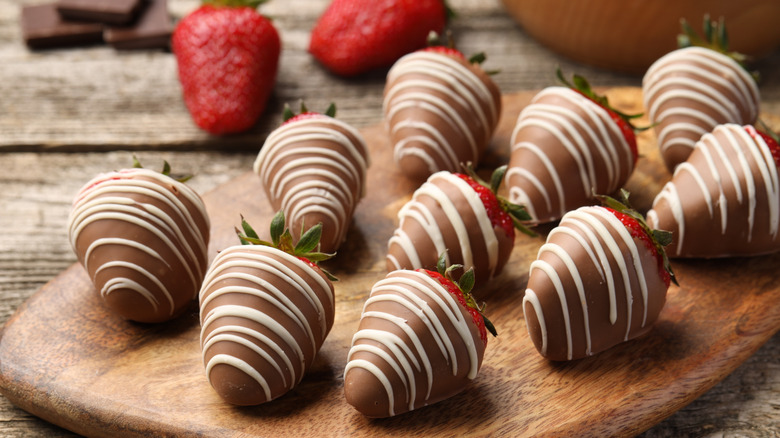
[152, 30]
[43, 28]
[115, 12]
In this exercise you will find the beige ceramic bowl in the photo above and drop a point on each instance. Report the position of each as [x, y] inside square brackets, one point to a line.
[628, 35]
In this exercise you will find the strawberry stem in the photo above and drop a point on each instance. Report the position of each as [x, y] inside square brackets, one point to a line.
[287, 112]
[282, 239]
[715, 38]
[465, 284]
[166, 170]
[582, 85]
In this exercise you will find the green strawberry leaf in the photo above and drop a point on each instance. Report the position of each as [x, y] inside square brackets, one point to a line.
[331, 111]
[309, 240]
[441, 263]
[497, 178]
[466, 282]
[277, 228]
[489, 326]
[282, 240]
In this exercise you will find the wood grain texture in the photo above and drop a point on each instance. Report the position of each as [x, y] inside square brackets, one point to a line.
[64, 358]
[98, 99]
[103, 103]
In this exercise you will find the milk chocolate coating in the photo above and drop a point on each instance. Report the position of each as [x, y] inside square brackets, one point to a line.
[724, 200]
[415, 346]
[446, 215]
[142, 237]
[689, 91]
[264, 316]
[592, 286]
[440, 111]
[565, 148]
[314, 169]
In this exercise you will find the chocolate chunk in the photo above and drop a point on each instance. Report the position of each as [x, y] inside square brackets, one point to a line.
[151, 31]
[103, 11]
[43, 28]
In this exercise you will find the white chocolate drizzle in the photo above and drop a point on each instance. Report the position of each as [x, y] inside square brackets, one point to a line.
[303, 165]
[270, 281]
[598, 232]
[439, 187]
[446, 90]
[422, 296]
[128, 197]
[580, 132]
[731, 167]
[689, 91]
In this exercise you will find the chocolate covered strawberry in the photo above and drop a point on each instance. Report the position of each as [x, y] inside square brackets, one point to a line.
[599, 280]
[568, 144]
[313, 168]
[355, 36]
[724, 200]
[461, 216]
[440, 109]
[142, 237]
[691, 90]
[265, 310]
[227, 56]
[421, 339]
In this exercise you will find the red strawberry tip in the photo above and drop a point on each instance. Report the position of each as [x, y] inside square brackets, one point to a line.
[282, 239]
[288, 115]
[516, 215]
[771, 138]
[657, 239]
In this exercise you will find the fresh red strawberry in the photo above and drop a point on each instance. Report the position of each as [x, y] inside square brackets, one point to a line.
[462, 216]
[691, 90]
[228, 57]
[265, 310]
[421, 339]
[356, 36]
[724, 200]
[142, 236]
[599, 280]
[568, 144]
[313, 168]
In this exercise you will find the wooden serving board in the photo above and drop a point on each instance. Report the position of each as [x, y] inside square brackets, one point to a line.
[65, 359]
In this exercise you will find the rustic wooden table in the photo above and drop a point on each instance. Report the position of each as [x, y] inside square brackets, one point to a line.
[67, 115]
